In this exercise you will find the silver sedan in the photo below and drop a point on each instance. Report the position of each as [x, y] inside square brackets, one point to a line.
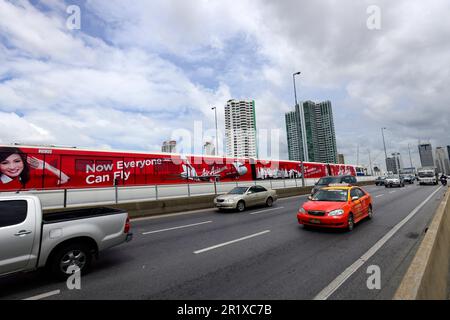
[242, 197]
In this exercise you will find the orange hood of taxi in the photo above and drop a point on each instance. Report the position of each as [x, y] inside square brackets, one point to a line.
[323, 205]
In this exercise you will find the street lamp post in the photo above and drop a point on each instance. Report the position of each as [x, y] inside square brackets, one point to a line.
[217, 136]
[296, 103]
[384, 144]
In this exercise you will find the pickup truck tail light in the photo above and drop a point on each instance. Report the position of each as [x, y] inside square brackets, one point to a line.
[127, 225]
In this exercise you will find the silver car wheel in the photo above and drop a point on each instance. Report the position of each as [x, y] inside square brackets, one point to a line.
[73, 258]
[240, 206]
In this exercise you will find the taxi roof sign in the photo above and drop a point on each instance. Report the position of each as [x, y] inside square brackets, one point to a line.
[340, 185]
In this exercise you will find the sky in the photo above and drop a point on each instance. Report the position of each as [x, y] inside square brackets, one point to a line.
[137, 73]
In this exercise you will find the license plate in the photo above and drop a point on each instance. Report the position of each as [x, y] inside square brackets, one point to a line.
[316, 221]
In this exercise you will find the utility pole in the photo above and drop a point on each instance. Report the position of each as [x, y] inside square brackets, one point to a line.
[370, 163]
[384, 144]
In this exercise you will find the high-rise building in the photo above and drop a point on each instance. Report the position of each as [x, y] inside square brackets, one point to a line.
[395, 163]
[209, 149]
[310, 133]
[426, 155]
[240, 129]
[442, 161]
[398, 161]
[392, 165]
[169, 146]
[341, 159]
[294, 136]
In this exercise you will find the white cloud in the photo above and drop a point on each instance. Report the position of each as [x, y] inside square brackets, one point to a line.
[134, 88]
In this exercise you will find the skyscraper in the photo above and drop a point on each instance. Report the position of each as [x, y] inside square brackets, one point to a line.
[341, 159]
[294, 136]
[394, 163]
[310, 133]
[442, 161]
[209, 148]
[426, 155]
[240, 129]
[169, 146]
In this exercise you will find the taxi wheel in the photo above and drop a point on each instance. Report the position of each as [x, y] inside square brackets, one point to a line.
[370, 213]
[350, 222]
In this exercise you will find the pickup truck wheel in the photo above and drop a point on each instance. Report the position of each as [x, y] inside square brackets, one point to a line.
[66, 258]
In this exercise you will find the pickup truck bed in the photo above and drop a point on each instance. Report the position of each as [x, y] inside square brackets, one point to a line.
[59, 240]
[61, 216]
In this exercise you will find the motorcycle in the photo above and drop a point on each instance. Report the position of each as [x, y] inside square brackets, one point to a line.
[444, 182]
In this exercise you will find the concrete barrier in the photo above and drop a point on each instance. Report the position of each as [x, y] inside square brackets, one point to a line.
[165, 206]
[427, 276]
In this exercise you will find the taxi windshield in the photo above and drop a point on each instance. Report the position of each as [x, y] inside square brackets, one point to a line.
[337, 195]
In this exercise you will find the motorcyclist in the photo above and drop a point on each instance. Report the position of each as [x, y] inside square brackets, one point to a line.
[443, 179]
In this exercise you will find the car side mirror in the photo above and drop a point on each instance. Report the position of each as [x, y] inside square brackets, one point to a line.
[355, 198]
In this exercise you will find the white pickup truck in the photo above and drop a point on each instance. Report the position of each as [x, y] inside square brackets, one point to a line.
[58, 240]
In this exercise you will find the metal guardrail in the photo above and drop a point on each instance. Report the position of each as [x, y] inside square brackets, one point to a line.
[56, 199]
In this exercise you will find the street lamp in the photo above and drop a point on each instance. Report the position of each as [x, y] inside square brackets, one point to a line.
[384, 144]
[217, 136]
[296, 103]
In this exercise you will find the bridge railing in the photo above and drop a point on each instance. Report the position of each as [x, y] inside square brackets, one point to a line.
[55, 199]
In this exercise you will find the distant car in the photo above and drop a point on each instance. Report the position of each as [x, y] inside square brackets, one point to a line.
[379, 181]
[409, 178]
[240, 198]
[326, 181]
[394, 181]
[336, 207]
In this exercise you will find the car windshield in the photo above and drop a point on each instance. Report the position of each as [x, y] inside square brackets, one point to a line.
[328, 180]
[238, 190]
[426, 174]
[338, 195]
[393, 177]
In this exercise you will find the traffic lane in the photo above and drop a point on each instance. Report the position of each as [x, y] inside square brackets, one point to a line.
[291, 211]
[290, 220]
[141, 253]
[295, 270]
[168, 263]
[394, 260]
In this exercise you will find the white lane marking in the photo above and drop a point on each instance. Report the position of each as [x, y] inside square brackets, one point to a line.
[380, 195]
[231, 242]
[339, 281]
[44, 295]
[174, 228]
[392, 191]
[257, 212]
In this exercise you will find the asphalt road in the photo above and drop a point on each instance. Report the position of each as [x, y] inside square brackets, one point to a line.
[259, 254]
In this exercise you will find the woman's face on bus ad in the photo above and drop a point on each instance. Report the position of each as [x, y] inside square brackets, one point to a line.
[12, 166]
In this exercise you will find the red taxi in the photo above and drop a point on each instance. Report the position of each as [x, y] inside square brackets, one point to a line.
[336, 207]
